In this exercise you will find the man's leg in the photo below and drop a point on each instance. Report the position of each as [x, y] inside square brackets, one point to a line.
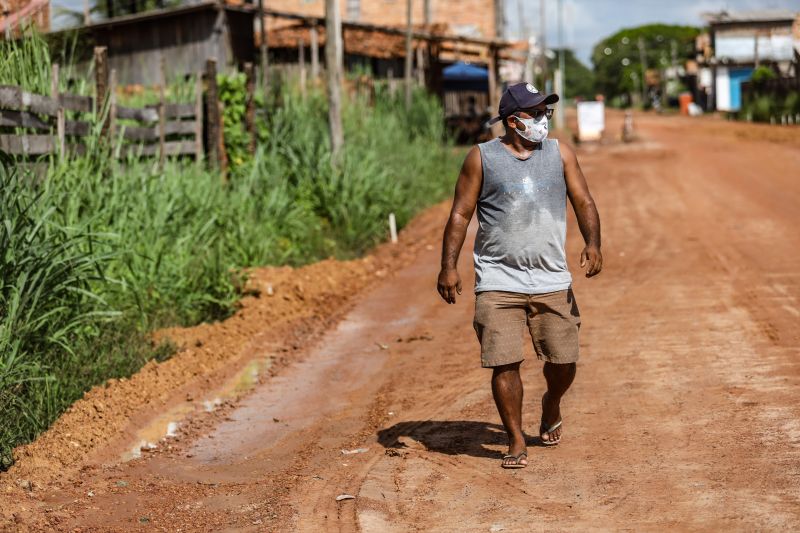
[507, 392]
[559, 377]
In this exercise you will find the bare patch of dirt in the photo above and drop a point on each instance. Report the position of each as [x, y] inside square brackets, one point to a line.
[284, 308]
[683, 416]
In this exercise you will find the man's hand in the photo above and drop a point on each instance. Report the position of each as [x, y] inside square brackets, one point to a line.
[449, 284]
[592, 259]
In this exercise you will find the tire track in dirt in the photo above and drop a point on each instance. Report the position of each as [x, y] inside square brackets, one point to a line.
[684, 414]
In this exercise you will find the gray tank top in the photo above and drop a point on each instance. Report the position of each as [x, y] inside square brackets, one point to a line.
[522, 213]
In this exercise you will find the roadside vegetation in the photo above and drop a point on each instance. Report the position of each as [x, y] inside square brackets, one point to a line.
[767, 100]
[98, 252]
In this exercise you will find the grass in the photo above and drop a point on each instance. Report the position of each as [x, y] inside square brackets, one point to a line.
[101, 252]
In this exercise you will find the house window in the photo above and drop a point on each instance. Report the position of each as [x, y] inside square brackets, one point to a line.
[353, 9]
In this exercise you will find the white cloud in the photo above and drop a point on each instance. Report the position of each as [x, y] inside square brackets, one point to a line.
[588, 21]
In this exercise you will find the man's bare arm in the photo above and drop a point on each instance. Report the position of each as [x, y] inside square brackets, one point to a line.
[468, 189]
[585, 211]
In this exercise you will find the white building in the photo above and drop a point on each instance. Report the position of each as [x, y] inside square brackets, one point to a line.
[740, 42]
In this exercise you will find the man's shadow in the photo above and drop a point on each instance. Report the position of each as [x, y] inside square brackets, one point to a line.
[451, 437]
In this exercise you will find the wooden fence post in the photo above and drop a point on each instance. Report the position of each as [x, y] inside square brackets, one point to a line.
[390, 84]
[223, 155]
[493, 87]
[301, 59]
[112, 104]
[263, 48]
[250, 109]
[162, 115]
[409, 58]
[198, 118]
[212, 114]
[334, 64]
[55, 94]
[420, 66]
[314, 54]
[101, 85]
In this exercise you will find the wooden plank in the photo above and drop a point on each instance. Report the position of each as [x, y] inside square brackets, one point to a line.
[179, 110]
[171, 148]
[179, 127]
[80, 128]
[145, 114]
[22, 119]
[151, 133]
[18, 100]
[75, 102]
[40, 104]
[139, 133]
[27, 144]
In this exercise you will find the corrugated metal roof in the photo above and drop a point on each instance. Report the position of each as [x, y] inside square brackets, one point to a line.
[763, 15]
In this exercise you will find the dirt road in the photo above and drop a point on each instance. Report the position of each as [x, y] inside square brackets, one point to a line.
[684, 414]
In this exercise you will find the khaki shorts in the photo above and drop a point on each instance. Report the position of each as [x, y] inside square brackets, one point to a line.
[552, 319]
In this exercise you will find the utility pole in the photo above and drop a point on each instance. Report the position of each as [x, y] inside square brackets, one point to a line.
[561, 67]
[409, 55]
[643, 61]
[543, 30]
[427, 14]
[314, 54]
[542, 15]
[499, 19]
[263, 48]
[756, 59]
[334, 66]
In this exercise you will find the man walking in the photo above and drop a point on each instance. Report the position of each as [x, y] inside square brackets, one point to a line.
[520, 183]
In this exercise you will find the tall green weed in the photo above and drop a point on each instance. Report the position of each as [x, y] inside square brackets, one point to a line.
[100, 252]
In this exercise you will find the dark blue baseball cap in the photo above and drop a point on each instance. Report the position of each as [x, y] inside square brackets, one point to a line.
[521, 96]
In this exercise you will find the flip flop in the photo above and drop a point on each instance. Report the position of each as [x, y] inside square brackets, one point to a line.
[516, 463]
[552, 428]
[549, 430]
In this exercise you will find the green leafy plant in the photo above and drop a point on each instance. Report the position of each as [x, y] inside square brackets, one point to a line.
[231, 89]
[119, 248]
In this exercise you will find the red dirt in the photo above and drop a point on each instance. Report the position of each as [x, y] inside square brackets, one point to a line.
[684, 414]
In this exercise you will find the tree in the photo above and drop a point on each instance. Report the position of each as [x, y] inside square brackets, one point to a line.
[617, 59]
[579, 79]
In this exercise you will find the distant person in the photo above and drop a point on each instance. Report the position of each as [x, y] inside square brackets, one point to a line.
[520, 183]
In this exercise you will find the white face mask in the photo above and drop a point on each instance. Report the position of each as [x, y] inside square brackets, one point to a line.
[535, 130]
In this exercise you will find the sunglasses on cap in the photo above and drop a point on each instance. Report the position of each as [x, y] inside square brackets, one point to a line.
[538, 113]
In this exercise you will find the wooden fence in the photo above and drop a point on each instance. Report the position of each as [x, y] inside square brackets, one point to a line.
[59, 123]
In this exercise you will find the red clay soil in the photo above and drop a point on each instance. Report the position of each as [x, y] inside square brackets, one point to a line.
[284, 308]
[684, 414]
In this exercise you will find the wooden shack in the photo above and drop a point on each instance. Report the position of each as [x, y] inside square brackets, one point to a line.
[183, 37]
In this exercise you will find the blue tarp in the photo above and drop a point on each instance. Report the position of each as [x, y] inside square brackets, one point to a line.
[461, 71]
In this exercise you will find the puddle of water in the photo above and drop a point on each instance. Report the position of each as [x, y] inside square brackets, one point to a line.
[166, 424]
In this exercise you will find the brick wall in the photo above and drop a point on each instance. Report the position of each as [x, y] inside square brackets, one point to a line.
[38, 15]
[474, 18]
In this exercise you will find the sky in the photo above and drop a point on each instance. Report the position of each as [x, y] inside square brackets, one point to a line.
[588, 21]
